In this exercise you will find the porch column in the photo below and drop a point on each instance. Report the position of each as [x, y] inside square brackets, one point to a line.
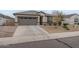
[16, 19]
[44, 19]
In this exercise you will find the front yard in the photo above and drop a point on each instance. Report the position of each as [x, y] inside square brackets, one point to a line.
[59, 29]
[8, 31]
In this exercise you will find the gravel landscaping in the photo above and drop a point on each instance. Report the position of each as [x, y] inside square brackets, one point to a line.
[7, 31]
[60, 29]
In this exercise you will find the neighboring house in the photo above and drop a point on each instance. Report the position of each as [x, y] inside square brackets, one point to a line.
[68, 19]
[4, 19]
[31, 18]
[71, 19]
[9, 21]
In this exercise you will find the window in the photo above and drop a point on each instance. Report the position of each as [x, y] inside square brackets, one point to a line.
[20, 17]
[76, 20]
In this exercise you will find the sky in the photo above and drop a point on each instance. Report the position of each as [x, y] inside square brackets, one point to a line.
[10, 12]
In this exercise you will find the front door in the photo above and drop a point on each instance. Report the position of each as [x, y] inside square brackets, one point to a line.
[41, 20]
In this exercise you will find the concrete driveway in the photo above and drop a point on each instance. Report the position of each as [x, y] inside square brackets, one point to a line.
[29, 31]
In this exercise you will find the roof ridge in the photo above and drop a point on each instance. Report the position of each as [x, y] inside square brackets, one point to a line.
[30, 12]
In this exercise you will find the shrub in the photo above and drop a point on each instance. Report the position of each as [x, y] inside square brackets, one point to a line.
[54, 24]
[59, 23]
[65, 26]
[78, 23]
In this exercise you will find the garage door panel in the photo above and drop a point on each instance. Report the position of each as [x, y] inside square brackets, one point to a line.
[30, 21]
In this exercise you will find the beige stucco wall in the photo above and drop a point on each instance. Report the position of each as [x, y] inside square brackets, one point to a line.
[44, 19]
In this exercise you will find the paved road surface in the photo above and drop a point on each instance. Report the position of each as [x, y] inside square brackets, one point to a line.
[72, 42]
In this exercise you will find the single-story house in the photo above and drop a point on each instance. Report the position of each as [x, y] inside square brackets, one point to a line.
[31, 17]
[4, 19]
[71, 19]
[40, 18]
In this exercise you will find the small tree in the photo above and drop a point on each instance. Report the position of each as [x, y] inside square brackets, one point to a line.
[59, 23]
[58, 18]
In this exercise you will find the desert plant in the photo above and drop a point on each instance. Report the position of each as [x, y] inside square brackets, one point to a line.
[65, 26]
[50, 23]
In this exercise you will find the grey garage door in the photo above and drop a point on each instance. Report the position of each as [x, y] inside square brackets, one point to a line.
[28, 20]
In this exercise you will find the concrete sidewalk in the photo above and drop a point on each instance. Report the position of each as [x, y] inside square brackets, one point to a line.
[63, 35]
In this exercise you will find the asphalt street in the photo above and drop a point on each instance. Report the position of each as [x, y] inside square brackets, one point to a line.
[71, 42]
